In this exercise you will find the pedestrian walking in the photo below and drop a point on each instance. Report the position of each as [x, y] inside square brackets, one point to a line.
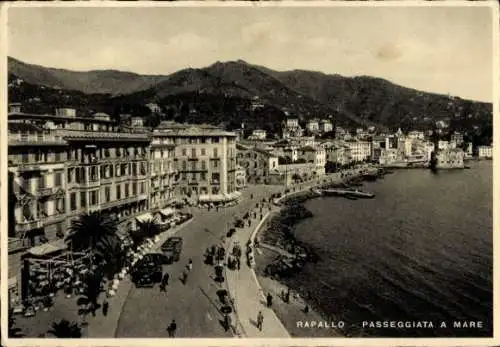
[251, 196]
[105, 308]
[269, 300]
[227, 322]
[165, 278]
[172, 328]
[287, 296]
[238, 263]
[184, 277]
[190, 265]
[260, 320]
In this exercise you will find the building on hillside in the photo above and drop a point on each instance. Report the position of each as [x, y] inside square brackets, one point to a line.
[153, 107]
[415, 134]
[291, 128]
[257, 164]
[337, 152]
[303, 141]
[312, 126]
[457, 138]
[66, 112]
[485, 152]
[102, 116]
[325, 126]
[258, 134]
[205, 158]
[241, 181]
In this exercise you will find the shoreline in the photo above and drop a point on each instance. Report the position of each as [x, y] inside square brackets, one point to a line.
[277, 231]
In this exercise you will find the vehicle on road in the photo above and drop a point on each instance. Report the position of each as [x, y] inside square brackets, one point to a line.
[172, 249]
[148, 270]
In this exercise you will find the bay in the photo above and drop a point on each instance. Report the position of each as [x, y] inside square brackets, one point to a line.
[422, 250]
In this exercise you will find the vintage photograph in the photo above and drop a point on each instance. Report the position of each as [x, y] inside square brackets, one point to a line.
[250, 171]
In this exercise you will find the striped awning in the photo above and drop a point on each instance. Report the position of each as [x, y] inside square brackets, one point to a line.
[144, 217]
[48, 248]
[211, 198]
[167, 212]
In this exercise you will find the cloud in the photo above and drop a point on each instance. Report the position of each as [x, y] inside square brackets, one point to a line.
[190, 42]
[389, 52]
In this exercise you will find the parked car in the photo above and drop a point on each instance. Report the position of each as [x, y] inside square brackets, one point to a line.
[172, 249]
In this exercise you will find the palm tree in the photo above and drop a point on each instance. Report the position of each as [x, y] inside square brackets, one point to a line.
[89, 230]
[110, 253]
[150, 227]
[65, 329]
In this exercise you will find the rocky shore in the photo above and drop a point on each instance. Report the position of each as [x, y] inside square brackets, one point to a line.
[279, 267]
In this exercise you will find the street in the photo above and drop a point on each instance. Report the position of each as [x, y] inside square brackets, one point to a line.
[147, 311]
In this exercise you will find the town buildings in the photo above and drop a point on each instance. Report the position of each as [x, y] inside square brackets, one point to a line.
[312, 126]
[257, 163]
[325, 126]
[451, 158]
[291, 128]
[205, 158]
[485, 152]
[258, 134]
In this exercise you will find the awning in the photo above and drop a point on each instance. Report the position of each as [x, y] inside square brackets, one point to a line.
[167, 212]
[49, 247]
[234, 195]
[144, 217]
[211, 198]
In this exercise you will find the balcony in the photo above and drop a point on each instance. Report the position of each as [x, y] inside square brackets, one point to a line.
[41, 192]
[35, 139]
[25, 167]
[79, 135]
[29, 225]
[214, 182]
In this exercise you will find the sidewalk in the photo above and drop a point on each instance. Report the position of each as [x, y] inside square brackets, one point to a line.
[102, 326]
[247, 294]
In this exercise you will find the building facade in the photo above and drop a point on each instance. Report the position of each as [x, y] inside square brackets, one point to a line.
[205, 160]
[258, 164]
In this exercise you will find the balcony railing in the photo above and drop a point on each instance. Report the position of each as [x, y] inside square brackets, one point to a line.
[45, 191]
[29, 225]
[39, 139]
[100, 135]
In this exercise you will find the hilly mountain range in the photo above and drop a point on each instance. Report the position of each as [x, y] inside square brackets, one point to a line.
[222, 92]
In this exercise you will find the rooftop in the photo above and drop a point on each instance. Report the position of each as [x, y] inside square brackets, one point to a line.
[178, 129]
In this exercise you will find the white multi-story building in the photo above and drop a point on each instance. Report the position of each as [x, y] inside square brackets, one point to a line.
[325, 126]
[418, 135]
[313, 126]
[457, 138]
[259, 134]
[485, 152]
[360, 150]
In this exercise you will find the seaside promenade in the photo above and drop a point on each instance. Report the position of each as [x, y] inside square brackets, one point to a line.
[245, 291]
[155, 309]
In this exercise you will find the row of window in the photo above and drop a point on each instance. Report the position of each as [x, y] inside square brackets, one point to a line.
[194, 166]
[43, 181]
[201, 176]
[122, 191]
[79, 174]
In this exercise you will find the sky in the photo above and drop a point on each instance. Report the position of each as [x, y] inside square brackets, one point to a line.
[437, 49]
